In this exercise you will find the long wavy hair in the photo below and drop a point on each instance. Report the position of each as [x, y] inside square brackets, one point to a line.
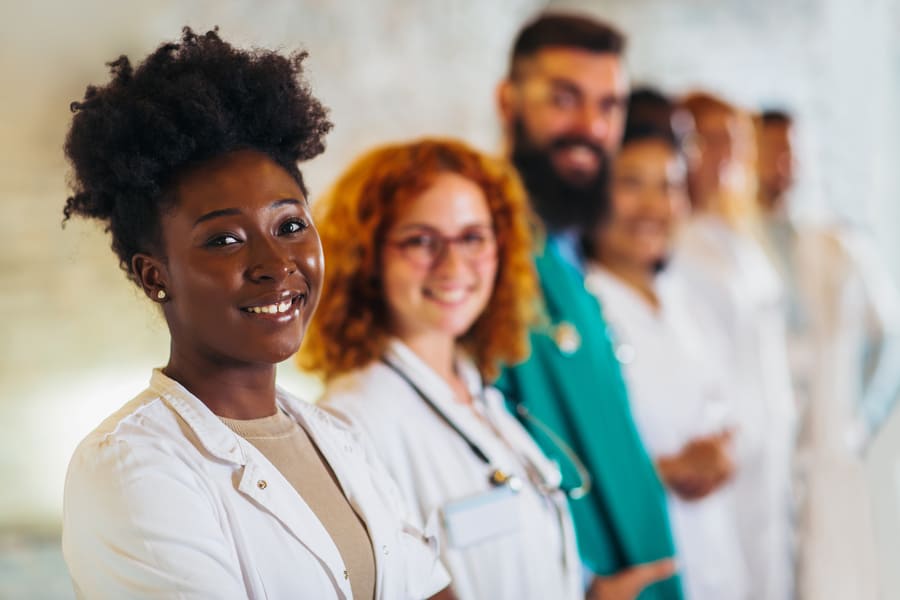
[351, 327]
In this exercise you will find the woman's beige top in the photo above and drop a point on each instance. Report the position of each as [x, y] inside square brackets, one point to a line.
[288, 447]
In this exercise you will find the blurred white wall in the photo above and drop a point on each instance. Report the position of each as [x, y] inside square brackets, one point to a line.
[78, 340]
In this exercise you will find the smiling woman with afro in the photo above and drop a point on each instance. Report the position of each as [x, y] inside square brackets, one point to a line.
[213, 482]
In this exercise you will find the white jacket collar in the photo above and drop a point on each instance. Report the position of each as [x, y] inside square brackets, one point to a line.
[401, 356]
[263, 482]
[211, 432]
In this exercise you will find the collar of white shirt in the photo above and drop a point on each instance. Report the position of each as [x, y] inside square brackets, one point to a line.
[211, 432]
[487, 400]
[443, 398]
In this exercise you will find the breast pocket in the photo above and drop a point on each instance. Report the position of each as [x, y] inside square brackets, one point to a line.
[480, 517]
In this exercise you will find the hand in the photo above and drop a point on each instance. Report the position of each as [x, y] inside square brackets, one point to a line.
[445, 594]
[700, 468]
[628, 583]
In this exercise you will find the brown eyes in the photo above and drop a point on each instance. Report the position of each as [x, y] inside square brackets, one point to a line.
[291, 226]
[220, 241]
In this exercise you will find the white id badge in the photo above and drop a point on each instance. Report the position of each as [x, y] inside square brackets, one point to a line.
[481, 517]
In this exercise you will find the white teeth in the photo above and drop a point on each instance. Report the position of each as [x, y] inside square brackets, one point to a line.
[448, 296]
[271, 309]
[582, 155]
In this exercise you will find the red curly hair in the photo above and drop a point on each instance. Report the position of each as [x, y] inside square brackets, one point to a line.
[351, 326]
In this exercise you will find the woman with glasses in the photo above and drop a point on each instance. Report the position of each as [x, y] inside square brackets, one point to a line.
[430, 288]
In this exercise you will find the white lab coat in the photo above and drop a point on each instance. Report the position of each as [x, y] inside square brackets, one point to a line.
[844, 336]
[732, 282]
[677, 393]
[433, 466]
[163, 500]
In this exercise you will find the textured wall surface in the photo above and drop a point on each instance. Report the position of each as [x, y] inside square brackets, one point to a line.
[78, 340]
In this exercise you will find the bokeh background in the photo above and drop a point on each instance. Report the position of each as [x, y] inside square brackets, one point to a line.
[78, 340]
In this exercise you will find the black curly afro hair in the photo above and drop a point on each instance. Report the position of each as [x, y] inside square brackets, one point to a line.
[187, 102]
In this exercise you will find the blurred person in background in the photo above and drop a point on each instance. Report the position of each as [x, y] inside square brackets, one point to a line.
[844, 332]
[651, 108]
[679, 396]
[430, 287]
[214, 483]
[563, 108]
[733, 283]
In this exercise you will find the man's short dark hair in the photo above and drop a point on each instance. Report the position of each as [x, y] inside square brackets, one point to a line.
[776, 116]
[651, 116]
[648, 104]
[566, 31]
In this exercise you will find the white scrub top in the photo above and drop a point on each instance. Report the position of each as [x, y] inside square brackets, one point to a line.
[845, 327]
[535, 557]
[677, 392]
[731, 281]
[163, 500]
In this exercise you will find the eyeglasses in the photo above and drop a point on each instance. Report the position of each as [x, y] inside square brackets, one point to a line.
[426, 245]
[570, 98]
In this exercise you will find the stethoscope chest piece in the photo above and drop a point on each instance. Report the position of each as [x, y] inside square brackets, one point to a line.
[498, 478]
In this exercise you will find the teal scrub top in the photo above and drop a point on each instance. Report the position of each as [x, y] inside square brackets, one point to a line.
[572, 383]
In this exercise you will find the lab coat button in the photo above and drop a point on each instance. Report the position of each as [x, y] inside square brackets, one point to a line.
[385, 550]
[261, 484]
[346, 574]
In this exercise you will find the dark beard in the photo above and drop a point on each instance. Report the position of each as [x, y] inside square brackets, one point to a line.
[561, 205]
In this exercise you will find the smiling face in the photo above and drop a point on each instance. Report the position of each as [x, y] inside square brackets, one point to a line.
[648, 195]
[776, 163]
[440, 297]
[571, 105]
[564, 114]
[242, 265]
[723, 151]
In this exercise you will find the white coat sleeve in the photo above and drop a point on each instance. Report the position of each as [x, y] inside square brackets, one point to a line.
[881, 386]
[137, 523]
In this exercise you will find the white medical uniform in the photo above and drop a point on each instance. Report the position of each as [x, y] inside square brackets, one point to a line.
[536, 558]
[844, 331]
[731, 281]
[163, 500]
[677, 393]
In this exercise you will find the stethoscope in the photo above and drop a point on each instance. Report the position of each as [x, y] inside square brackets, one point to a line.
[498, 477]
